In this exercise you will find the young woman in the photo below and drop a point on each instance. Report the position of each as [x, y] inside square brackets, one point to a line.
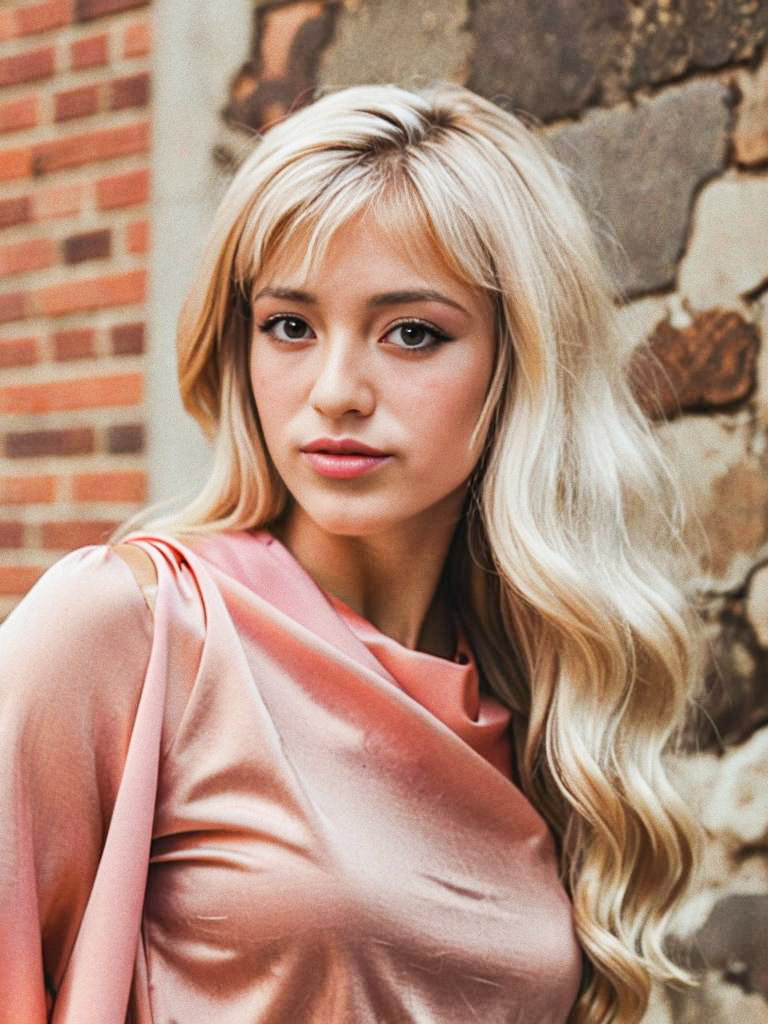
[372, 729]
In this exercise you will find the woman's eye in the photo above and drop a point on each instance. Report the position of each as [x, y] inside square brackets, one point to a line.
[413, 334]
[287, 328]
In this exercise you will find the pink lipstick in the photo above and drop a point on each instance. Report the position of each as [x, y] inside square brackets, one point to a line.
[342, 458]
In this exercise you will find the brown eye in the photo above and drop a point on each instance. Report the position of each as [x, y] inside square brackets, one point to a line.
[287, 328]
[414, 334]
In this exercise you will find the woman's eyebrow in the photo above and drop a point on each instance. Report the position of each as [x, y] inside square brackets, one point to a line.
[293, 294]
[426, 295]
[382, 299]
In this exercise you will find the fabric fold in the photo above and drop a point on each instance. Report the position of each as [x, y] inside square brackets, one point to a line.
[97, 983]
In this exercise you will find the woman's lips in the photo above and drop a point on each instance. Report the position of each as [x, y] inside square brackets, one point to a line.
[343, 466]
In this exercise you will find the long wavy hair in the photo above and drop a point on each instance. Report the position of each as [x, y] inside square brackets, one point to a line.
[559, 564]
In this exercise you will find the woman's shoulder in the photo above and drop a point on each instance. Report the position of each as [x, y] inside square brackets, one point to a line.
[250, 556]
[74, 652]
[88, 587]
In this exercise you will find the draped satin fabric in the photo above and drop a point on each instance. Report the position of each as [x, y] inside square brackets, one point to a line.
[334, 836]
[450, 690]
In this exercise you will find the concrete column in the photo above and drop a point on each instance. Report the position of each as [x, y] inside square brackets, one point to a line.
[197, 48]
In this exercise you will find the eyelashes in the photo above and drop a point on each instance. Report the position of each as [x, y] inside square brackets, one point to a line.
[270, 326]
[287, 329]
[420, 328]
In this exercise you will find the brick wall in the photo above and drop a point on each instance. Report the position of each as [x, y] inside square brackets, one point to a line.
[75, 129]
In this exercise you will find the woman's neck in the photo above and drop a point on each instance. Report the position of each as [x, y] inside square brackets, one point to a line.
[395, 582]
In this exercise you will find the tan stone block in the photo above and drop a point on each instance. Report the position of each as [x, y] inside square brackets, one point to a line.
[637, 320]
[420, 41]
[761, 323]
[725, 487]
[693, 776]
[737, 808]
[757, 604]
[727, 256]
[658, 1011]
[750, 136]
[717, 1002]
[737, 518]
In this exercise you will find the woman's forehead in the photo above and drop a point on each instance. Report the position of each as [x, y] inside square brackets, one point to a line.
[300, 253]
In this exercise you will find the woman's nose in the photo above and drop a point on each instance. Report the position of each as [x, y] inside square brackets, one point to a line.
[343, 380]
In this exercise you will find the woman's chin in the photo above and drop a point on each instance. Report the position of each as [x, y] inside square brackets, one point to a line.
[342, 521]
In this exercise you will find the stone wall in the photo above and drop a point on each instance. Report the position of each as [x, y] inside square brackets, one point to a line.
[75, 134]
[661, 109]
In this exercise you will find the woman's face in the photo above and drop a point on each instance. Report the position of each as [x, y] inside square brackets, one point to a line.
[378, 346]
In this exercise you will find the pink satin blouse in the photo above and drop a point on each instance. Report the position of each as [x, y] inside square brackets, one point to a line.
[335, 835]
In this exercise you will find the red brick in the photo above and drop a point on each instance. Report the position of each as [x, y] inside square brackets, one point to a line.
[87, 10]
[137, 236]
[63, 201]
[11, 533]
[137, 40]
[77, 103]
[132, 91]
[7, 23]
[89, 245]
[76, 533]
[78, 150]
[27, 490]
[18, 579]
[15, 211]
[18, 352]
[127, 339]
[92, 52]
[125, 438]
[127, 289]
[13, 306]
[122, 190]
[34, 254]
[43, 16]
[76, 343]
[25, 444]
[21, 113]
[81, 393]
[27, 67]
[113, 485]
[15, 163]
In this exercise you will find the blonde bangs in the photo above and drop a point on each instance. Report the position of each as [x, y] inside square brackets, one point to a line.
[300, 214]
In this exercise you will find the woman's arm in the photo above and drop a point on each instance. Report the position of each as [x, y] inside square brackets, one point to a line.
[73, 656]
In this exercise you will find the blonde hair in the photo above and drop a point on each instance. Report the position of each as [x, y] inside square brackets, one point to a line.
[556, 564]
